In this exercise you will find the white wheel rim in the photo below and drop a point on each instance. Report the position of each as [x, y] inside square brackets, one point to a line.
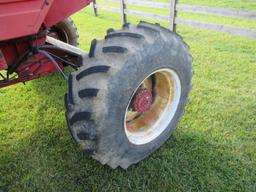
[163, 108]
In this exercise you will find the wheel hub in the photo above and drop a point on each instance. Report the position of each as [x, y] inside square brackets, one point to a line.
[143, 100]
[152, 106]
[54, 35]
[59, 34]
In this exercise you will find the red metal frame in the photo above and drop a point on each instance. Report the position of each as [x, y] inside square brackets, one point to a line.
[23, 27]
[19, 18]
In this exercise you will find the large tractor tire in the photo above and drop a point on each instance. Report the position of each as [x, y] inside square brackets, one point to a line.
[65, 31]
[123, 104]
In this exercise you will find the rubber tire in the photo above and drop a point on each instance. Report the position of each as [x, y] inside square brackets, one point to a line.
[67, 29]
[100, 90]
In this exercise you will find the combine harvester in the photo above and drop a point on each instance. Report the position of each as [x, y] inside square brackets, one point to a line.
[125, 96]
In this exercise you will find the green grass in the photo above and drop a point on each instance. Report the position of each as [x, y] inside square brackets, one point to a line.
[213, 148]
[239, 4]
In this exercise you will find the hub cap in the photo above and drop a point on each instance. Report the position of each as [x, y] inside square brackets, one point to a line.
[143, 100]
[152, 106]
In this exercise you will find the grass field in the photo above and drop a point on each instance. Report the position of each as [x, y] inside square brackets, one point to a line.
[213, 148]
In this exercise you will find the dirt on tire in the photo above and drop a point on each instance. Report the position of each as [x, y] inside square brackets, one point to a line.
[99, 91]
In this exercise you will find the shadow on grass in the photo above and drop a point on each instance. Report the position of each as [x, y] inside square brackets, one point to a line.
[51, 162]
[47, 159]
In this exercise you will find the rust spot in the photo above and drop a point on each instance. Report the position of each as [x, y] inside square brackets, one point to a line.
[164, 94]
